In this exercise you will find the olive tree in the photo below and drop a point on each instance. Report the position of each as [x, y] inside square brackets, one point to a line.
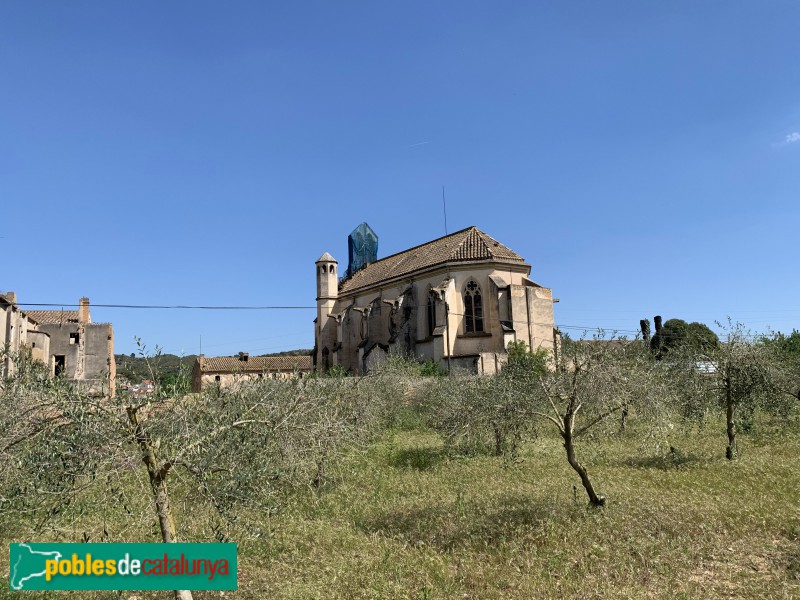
[492, 413]
[784, 352]
[478, 413]
[237, 451]
[597, 380]
[737, 375]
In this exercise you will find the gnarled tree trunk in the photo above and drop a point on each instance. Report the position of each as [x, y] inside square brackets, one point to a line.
[569, 446]
[730, 413]
[498, 440]
[158, 485]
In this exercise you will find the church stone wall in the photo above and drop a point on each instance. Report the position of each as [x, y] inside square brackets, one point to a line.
[360, 326]
[395, 318]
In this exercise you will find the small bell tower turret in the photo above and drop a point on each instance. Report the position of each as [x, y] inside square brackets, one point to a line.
[327, 293]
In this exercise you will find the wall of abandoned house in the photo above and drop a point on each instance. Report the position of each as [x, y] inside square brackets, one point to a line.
[99, 365]
[39, 345]
[14, 327]
[86, 351]
[18, 333]
[9, 336]
[66, 341]
[82, 351]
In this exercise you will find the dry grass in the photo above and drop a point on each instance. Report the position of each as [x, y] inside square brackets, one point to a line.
[404, 519]
[407, 521]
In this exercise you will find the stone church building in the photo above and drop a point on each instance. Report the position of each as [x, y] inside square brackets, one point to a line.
[457, 300]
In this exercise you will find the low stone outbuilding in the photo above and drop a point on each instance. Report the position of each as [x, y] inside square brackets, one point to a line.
[226, 371]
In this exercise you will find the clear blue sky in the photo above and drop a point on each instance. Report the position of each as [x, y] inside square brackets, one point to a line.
[644, 157]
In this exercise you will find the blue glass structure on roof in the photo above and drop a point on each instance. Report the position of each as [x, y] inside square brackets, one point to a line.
[362, 248]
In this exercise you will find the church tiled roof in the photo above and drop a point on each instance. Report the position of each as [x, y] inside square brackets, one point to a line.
[54, 316]
[254, 364]
[467, 245]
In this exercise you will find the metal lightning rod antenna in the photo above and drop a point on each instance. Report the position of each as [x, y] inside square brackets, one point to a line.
[444, 207]
[446, 305]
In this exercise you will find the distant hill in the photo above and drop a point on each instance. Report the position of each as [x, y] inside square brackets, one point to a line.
[166, 366]
[301, 352]
[135, 368]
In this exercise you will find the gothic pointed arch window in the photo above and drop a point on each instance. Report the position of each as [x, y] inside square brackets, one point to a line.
[375, 307]
[473, 308]
[326, 359]
[431, 312]
[373, 322]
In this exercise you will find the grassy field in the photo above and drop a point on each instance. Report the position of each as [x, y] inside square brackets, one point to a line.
[405, 519]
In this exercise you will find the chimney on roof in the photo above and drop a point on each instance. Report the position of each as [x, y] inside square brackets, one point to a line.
[83, 310]
[244, 356]
[11, 297]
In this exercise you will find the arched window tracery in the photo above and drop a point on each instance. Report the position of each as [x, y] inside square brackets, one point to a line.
[431, 313]
[473, 308]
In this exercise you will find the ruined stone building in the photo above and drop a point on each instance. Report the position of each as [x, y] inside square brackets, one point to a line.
[226, 371]
[79, 349]
[457, 300]
[20, 337]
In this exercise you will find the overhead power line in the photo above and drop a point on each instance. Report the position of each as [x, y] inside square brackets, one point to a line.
[165, 306]
[596, 328]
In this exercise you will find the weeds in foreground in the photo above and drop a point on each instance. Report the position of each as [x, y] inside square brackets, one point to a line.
[342, 490]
